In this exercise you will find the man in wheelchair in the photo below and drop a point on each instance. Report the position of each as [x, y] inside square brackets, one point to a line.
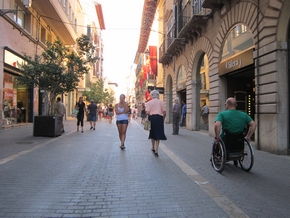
[232, 123]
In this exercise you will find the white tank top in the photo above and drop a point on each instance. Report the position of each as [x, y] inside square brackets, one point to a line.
[122, 116]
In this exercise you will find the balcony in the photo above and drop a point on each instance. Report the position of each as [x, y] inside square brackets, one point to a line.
[214, 3]
[52, 12]
[189, 26]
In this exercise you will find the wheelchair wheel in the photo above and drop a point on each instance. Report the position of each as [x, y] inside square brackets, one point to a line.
[218, 158]
[247, 159]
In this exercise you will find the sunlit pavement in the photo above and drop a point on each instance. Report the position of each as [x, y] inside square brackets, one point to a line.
[87, 175]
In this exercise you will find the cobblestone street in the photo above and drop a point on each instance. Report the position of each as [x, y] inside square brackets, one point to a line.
[87, 175]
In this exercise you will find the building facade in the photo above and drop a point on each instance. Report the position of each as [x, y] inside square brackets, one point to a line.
[214, 49]
[25, 28]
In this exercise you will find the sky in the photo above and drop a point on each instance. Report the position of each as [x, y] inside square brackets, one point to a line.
[120, 37]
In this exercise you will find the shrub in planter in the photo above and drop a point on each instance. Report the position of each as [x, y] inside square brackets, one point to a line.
[56, 71]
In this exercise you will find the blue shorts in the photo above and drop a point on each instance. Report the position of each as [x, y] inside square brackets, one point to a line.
[122, 122]
[93, 118]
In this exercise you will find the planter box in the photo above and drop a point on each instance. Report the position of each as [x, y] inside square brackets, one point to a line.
[50, 126]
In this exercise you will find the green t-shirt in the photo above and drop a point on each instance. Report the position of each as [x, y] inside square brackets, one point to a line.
[233, 120]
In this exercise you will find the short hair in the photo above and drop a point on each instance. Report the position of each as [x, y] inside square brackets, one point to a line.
[154, 94]
[58, 99]
[92, 101]
[176, 99]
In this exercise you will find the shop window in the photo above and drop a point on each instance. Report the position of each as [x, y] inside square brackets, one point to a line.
[203, 81]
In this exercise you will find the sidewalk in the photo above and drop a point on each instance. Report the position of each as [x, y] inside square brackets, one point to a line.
[87, 175]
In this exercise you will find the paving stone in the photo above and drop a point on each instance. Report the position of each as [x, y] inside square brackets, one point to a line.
[87, 175]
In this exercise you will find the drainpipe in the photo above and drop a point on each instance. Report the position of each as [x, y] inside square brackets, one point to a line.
[258, 79]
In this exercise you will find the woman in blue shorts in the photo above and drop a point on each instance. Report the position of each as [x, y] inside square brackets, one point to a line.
[121, 111]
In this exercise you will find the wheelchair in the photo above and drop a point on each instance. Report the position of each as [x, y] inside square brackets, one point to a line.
[233, 147]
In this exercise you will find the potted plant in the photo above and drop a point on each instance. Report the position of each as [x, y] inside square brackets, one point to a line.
[56, 71]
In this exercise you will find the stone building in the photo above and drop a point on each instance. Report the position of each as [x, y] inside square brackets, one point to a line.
[215, 49]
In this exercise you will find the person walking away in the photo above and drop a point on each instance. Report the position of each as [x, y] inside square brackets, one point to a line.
[176, 116]
[93, 113]
[156, 114]
[136, 112]
[143, 113]
[121, 111]
[110, 113]
[204, 113]
[129, 113]
[233, 121]
[183, 113]
[80, 117]
[60, 111]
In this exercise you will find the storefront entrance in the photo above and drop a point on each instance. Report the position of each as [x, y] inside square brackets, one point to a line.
[241, 85]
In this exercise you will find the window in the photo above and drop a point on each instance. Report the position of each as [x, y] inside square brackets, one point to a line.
[43, 34]
[19, 17]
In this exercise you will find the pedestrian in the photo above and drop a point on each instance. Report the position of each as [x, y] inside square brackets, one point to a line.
[110, 113]
[143, 113]
[183, 113]
[156, 115]
[93, 113]
[204, 113]
[136, 112]
[60, 111]
[129, 113]
[100, 112]
[176, 110]
[80, 117]
[121, 111]
[233, 121]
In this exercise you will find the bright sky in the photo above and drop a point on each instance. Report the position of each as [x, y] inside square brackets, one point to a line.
[121, 37]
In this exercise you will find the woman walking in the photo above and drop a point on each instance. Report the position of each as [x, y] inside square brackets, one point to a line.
[143, 113]
[80, 117]
[121, 111]
[157, 113]
[110, 113]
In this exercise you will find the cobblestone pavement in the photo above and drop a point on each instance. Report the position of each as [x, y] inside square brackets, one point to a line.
[87, 175]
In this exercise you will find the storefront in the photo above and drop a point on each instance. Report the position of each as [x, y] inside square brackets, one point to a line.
[17, 99]
[237, 66]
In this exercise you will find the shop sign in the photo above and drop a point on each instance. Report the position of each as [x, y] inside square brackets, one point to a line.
[236, 62]
[13, 59]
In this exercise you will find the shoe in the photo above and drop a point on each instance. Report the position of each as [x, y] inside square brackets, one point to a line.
[91, 128]
[174, 133]
[82, 131]
[156, 154]
[62, 131]
[153, 150]
[94, 129]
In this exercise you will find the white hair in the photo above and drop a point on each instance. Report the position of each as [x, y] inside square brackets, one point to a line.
[176, 99]
[154, 94]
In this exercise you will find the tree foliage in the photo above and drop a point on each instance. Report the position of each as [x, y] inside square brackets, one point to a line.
[98, 94]
[58, 69]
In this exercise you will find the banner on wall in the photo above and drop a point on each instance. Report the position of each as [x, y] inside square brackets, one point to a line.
[153, 59]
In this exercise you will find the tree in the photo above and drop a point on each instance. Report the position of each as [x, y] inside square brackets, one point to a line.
[98, 94]
[58, 70]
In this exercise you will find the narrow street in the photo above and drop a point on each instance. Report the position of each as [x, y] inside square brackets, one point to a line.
[87, 175]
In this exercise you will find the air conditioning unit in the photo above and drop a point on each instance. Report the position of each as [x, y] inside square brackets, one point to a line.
[27, 3]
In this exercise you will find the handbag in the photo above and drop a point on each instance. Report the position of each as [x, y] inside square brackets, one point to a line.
[147, 125]
[75, 112]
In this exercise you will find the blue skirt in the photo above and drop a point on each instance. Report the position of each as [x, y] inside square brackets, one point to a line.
[157, 128]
